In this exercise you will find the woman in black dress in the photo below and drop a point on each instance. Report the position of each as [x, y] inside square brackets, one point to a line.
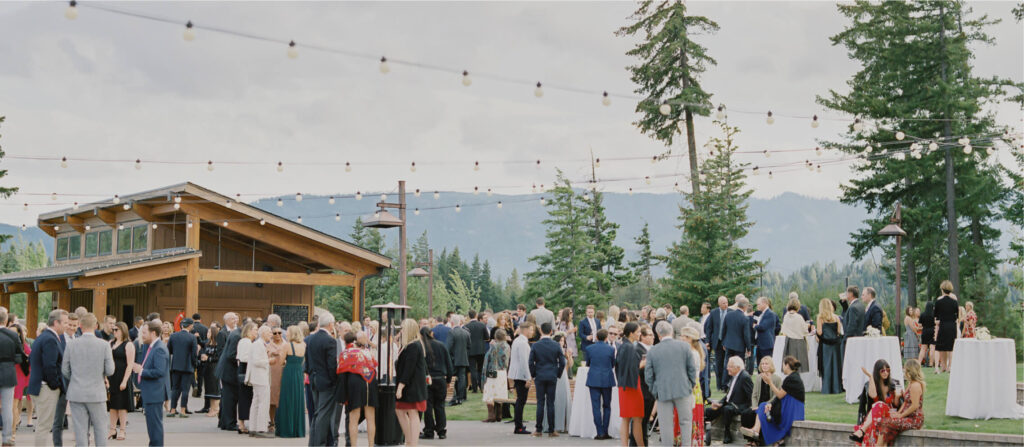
[411, 375]
[927, 321]
[210, 355]
[120, 400]
[947, 311]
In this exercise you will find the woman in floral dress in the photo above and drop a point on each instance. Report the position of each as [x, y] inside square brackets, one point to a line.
[970, 321]
[887, 424]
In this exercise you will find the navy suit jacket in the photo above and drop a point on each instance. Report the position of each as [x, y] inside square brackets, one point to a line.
[547, 360]
[441, 333]
[735, 333]
[133, 333]
[155, 383]
[766, 330]
[322, 361]
[873, 317]
[601, 360]
[184, 349]
[711, 327]
[44, 361]
[585, 331]
[227, 366]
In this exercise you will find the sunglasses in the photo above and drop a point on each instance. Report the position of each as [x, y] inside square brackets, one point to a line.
[884, 370]
[117, 330]
[277, 332]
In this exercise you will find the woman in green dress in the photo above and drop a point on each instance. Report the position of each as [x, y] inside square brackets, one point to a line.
[290, 419]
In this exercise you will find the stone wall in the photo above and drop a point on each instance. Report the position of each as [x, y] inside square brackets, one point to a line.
[827, 434]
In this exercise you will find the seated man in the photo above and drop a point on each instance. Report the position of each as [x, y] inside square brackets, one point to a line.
[735, 401]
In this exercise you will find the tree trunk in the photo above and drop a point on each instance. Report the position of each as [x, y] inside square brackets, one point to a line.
[911, 274]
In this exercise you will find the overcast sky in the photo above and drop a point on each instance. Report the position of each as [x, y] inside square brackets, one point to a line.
[110, 86]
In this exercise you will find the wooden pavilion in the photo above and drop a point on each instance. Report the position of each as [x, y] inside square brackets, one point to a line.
[187, 248]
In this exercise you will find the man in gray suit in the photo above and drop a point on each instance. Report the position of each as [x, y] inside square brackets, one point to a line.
[853, 318]
[458, 347]
[542, 315]
[671, 373]
[87, 363]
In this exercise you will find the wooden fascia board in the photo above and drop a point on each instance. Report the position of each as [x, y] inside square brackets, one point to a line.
[246, 276]
[136, 275]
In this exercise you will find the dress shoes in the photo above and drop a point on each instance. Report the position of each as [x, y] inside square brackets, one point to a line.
[442, 436]
[554, 434]
[426, 436]
[521, 431]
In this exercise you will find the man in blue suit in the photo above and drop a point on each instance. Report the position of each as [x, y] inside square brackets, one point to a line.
[872, 310]
[765, 329]
[184, 350]
[153, 381]
[441, 330]
[546, 365]
[45, 382]
[601, 380]
[736, 332]
[713, 330]
[322, 367]
[587, 330]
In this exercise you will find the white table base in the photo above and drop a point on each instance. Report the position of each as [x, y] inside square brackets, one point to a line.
[811, 379]
[863, 352]
[581, 418]
[982, 380]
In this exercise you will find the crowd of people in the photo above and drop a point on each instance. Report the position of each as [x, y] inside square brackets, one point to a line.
[264, 380]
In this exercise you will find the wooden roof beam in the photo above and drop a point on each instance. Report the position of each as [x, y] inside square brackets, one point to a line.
[305, 279]
[143, 211]
[77, 223]
[133, 276]
[108, 217]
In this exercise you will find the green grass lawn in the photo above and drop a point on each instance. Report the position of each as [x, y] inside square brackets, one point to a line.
[829, 408]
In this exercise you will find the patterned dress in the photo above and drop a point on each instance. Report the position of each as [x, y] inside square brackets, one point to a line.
[970, 323]
[890, 427]
[879, 410]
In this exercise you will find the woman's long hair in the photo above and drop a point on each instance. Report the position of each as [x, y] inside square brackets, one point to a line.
[826, 313]
[214, 331]
[425, 336]
[877, 376]
[123, 331]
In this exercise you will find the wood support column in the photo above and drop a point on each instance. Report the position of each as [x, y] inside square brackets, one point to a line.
[357, 299]
[61, 299]
[5, 301]
[31, 313]
[99, 302]
[192, 232]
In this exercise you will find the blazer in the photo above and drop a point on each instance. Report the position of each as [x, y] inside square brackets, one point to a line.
[12, 356]
[322, 361]
[258, 371]
[411, 370]
[200, 329]
[585, 331]
[712, 326]
[543, 316]
[671, 370]
[441, 333]
[227, 367]
[441, 367]
[627, 365]
[519, 361]
[735, 333]
[741, 391]
[766, 330]
[87, 361]
[547, 361]
[853, 320]
[45, 363]
[873, 316]
[601, 360]
[804, 312]
[755, 396]
[183, 348]
[458, 346]
[478, 337]
[154, 381]
[133, 333]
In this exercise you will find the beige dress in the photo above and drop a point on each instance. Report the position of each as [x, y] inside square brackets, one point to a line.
[276, 368]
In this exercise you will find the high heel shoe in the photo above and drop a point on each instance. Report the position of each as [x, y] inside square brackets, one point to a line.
[857, 439]
[121, 434]
[112, 433]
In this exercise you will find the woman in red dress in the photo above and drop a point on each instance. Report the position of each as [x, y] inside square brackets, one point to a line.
[886, 425]
[970, 321]
[628, 362]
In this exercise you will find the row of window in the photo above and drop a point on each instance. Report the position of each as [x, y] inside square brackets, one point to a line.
[100, 243]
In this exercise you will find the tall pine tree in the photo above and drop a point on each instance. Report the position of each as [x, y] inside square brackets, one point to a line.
[605, 258]
[646, 260]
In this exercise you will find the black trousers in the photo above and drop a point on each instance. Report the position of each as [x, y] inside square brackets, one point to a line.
[434, 420]
[545, 403]
[728, 412]
[181, 382]
[228, 406]
[476, 363]
[244, 402]
[720, 375]
[197, 389]
[461, 377]
[521, 395]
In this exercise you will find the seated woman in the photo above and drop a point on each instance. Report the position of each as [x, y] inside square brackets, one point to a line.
[883, 424]
[879, 397]
[775, 418]
[762, 393]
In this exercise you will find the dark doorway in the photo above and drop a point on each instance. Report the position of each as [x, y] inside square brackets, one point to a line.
[128, 314]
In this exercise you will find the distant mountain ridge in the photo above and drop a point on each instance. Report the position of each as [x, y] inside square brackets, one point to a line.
[790, 230]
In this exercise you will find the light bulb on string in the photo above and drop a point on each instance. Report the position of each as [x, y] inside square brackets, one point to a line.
[263, 222]
[209, 165]
[665, 108]
[348, 167]
[466, 80]
[280, 166]
[359, 195]
[597, 163]
[384, 67]
[489, 193]
[654, 159]
[23, 226]
[292, 51]
[968, 149]
[117, 199]
[72, 12]
[989, 150]
[534, 188]
[330, 200]
[900, 135]
[476, 165]
[177, 206]
[539, 91]
[630, 191]
[412, 167]
[437, 195]
[24, 207]
[647, 180]
[817, 151]
[756, 170]
[383, 197]
[767, 154]
[868, 149]
[538, 164]
[770, 119]
[74, 206]
[819, 169]
[126, 206]
[177, 199]
[189, 224]
[417, 192]
[476, 190]
[543, 201]
[87, 227]
[228, 203]
[814, 122]
[810, 166]
[933, 146]
[280, 202]
[56, 228]
[138, 164]
[416, 211]
[858, 125]
[120, 226]
[337, 217]
[770, 175]
[298, 219]
[499, 205]
[720, 114]
[458, 208]
[190, 33]
[605, 100]
[63, 162]
[53, 196]
[225, 223]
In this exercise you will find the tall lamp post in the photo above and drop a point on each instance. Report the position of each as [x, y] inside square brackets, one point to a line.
[418, 272]
[893, 229]
[384, 219]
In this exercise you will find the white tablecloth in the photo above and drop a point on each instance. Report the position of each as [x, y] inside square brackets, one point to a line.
[982, 380]
[581, 421]
[812, 382]
[863, 352]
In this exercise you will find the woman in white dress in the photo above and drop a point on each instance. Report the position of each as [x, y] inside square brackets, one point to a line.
[795, 329]
[258, 376]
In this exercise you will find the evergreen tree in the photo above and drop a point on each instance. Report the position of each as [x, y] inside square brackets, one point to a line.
[642, 266]
[421, 249]
[670, 64]
[607, 270]
[5, 192]
[513, 288]
[708, 261]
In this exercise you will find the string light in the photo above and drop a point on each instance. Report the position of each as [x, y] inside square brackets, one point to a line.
[280, 202]
[654, 159]
[209, 166]
[466, 80]
[117, 199]
[228, 203]
[383, 197]
[476, 190]
[25, 207]
[868, 149]
[647, 180]
[384, 67]
[298, 197]
[858, 125]
[56, 228]
[348, 167]
[542, 201]
[990, 150]
[756, 170]
[770, 120]
[597, 163]
[262, 222]
[337, 217]
[476, 165]
[665, 108]
[499, 205]
[126, 206]
[417, 193]
[190, 33]
[330, 200]
[437, 195]
[819, 169]
[489, 193]
[968, 149]
[280, 166]
[814, 122]
[416, 211]
[292, 51]
[900, 135]
[225, 223]
[539, 91]
[87, 227]
[767, 154]
[458, 208]
[817, 151]
[189, 224]
[605, 100]
[770, 176]
[630, 191]
[53, 196]
[138, 164]
[412, 168]
[177, 199]
[177, 206]
[74, 206]
[534, 188]
[72, 12]
[23, 226]
[63, 162]
[538, 164]
[720, 114]
[933, 146]
[359, 195]
[299, 219]
[120, 226]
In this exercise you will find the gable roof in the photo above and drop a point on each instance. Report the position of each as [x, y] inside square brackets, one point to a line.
[93, 268]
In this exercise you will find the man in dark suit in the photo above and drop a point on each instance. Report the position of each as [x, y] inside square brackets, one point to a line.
[587, 330]
[134, 331]
[199, 330]
[458, 348]
[440, 370]
[736, 331]
[714, 330]
[644, 345]
[184, 350]
[478, 339]
[600, 381]
[853, 318]
[227, 372]
[153, 381]
[322, 366]
[546, 365]
[441, 330]
[765, 329]
[45, 382]
[872, 310]
[736, 399]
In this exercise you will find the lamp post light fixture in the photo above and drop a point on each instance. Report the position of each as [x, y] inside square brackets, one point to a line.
[390, 316]
[418, 272]
[893, 229]
[384, 219]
